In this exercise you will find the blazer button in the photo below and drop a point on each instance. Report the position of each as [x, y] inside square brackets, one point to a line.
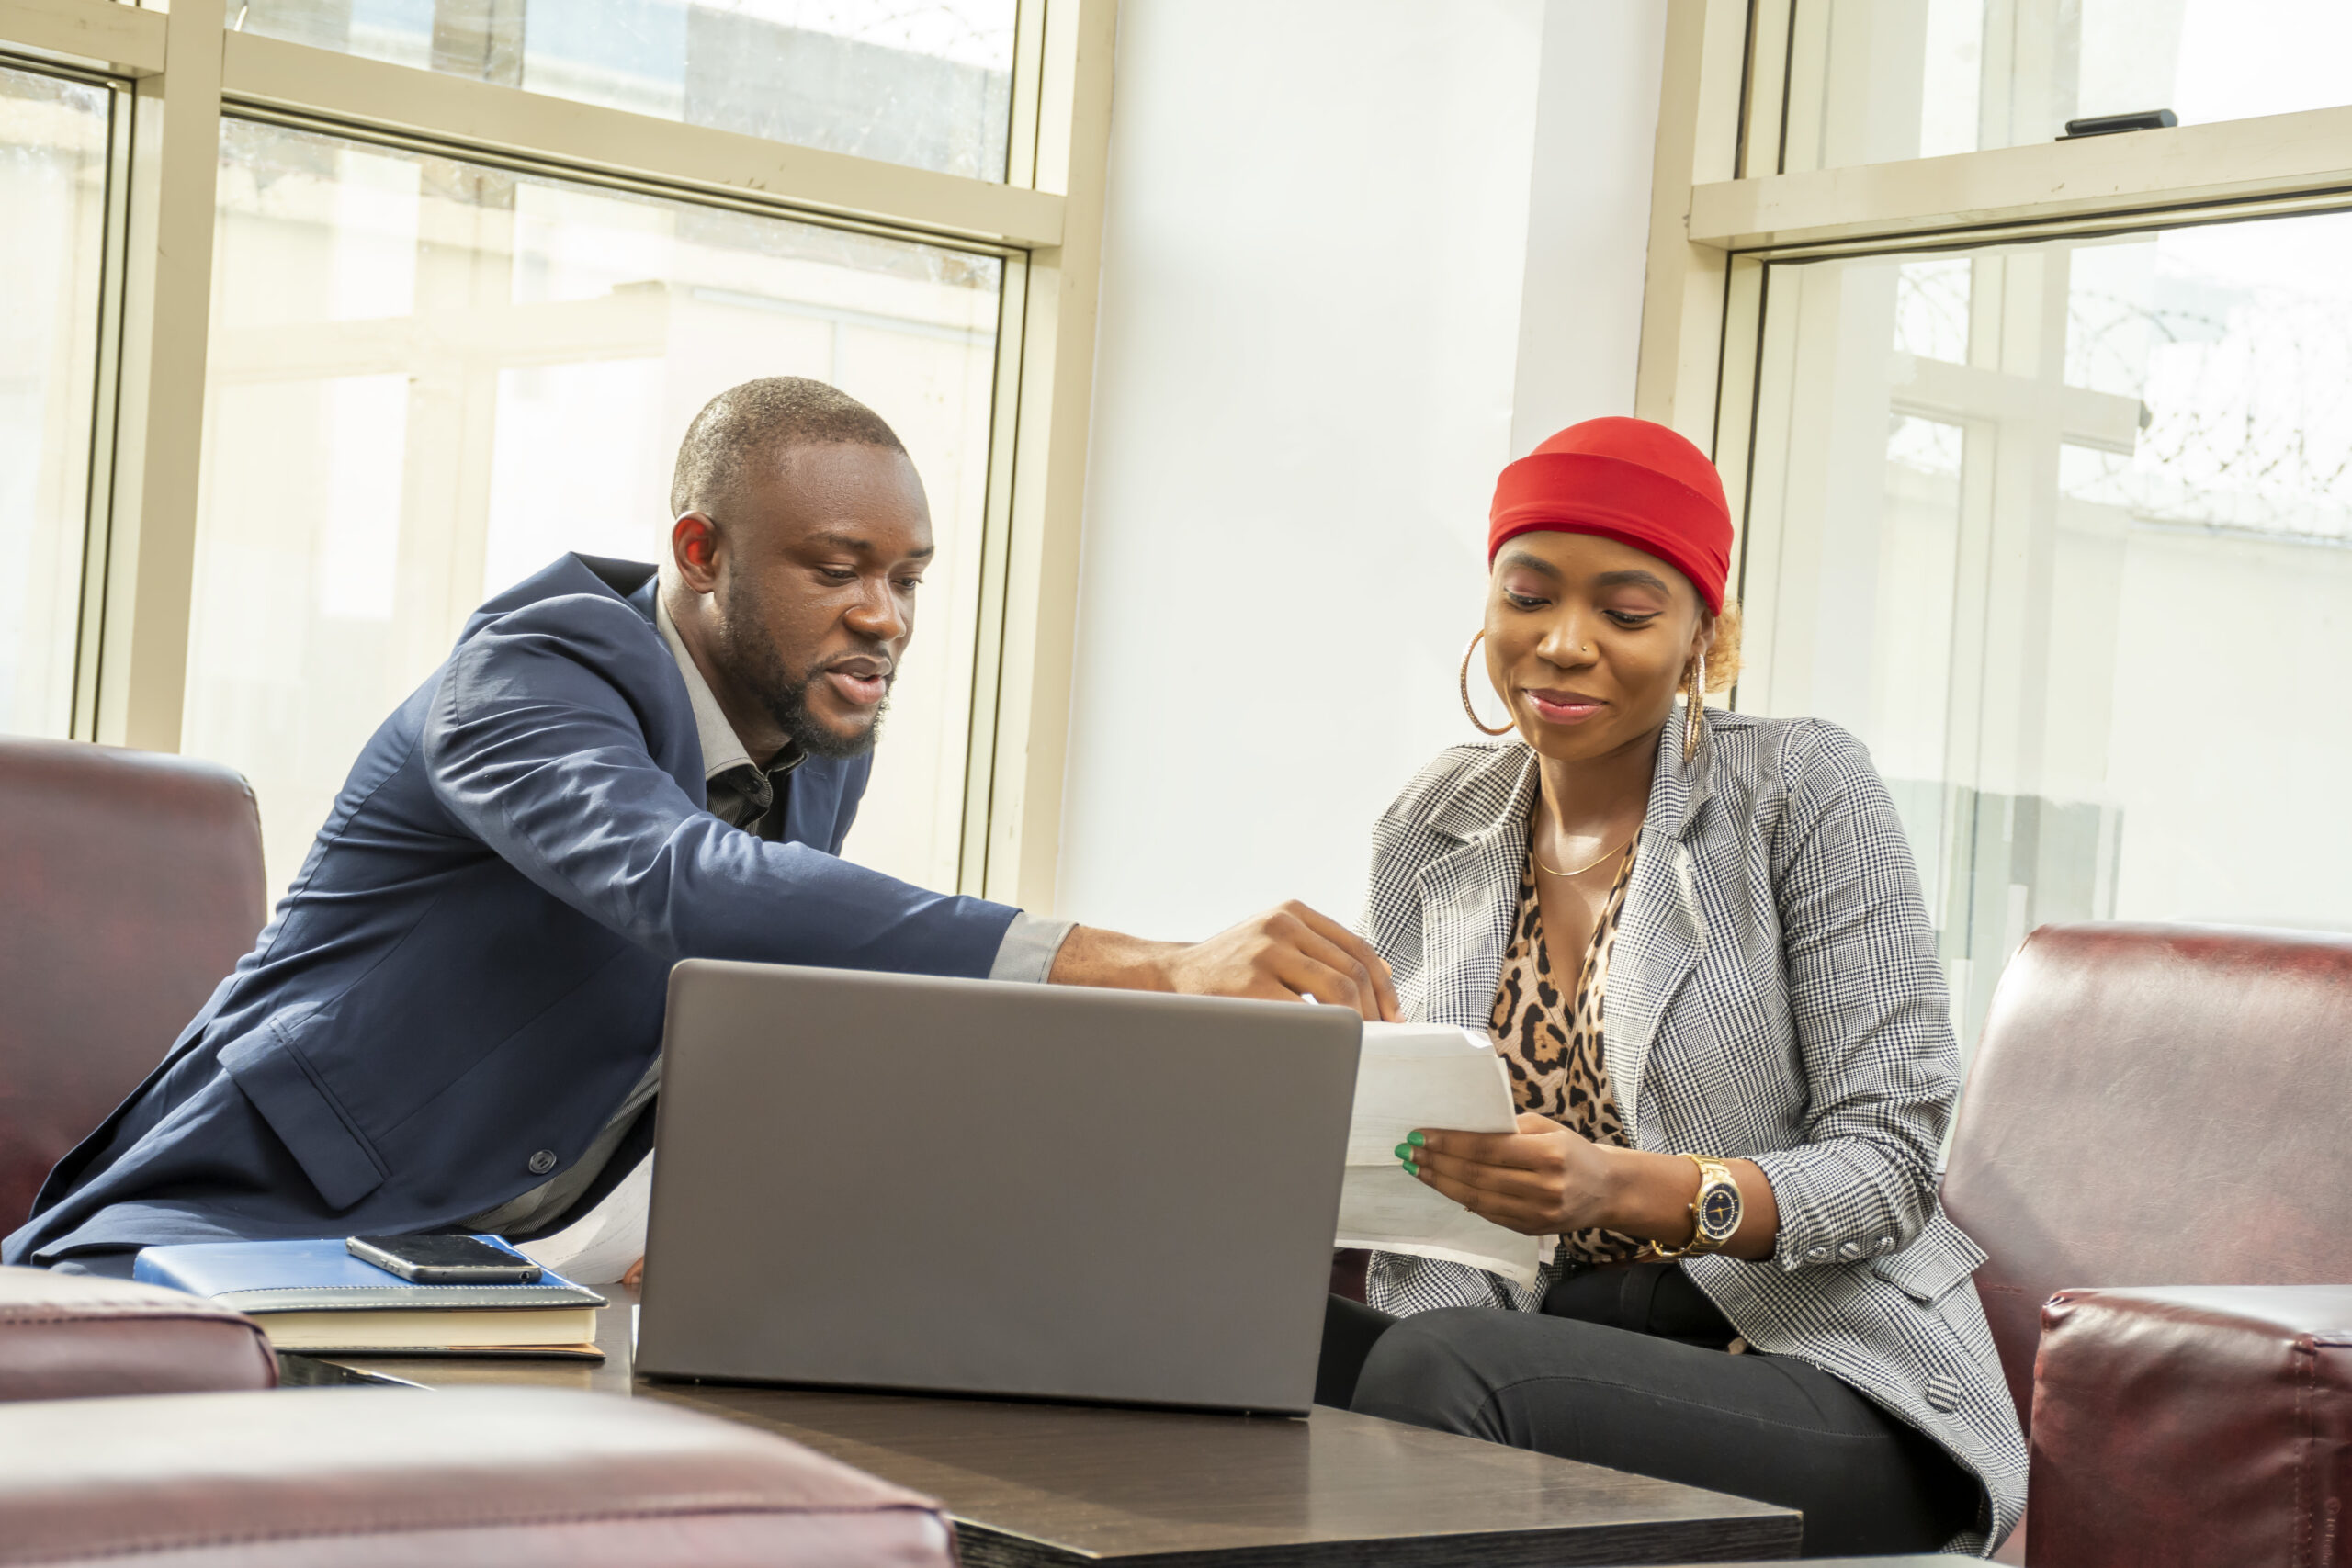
[1850, 1251]
[1943, 1393]
[542, 1162]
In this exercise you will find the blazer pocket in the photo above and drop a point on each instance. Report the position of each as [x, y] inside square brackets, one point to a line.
[1933, 1266]
[337, 1157]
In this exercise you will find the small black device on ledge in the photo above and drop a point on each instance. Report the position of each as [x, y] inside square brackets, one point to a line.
[2108, 124]
[444, 1260]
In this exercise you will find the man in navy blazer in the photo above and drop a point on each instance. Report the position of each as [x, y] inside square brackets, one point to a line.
[454, 1019]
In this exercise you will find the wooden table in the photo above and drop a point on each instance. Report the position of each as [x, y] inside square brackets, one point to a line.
[1031, 1484]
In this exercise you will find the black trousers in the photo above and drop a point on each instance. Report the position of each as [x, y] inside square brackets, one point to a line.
[1674, 1405]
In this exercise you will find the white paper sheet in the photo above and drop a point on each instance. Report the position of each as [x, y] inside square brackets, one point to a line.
[598, 1247]
[1419, 1074]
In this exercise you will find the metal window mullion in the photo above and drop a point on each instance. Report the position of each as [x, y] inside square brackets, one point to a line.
[2140, 177]
[105, 401]
[605, 179]
[269, 78]
[979, 780]
[102, 35]
[1017, 858]
[141, 675]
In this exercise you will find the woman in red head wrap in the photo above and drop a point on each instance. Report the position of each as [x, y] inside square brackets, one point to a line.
[1698, 942]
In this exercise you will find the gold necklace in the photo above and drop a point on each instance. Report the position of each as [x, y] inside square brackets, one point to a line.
[1582, 869]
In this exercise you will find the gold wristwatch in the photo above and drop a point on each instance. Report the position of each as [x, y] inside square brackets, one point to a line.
[1716, 1213]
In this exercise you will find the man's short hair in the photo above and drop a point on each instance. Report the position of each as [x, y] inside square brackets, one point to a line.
[743, 434]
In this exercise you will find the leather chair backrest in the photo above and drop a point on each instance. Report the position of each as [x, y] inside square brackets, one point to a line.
[131, 883]
[2157, 1105]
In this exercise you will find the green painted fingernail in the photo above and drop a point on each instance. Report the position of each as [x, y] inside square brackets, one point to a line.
[1411, 1169]
[1405, 1151]
[1414, 1139]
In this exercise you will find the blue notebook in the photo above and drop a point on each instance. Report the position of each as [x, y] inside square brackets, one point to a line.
[314, 1295]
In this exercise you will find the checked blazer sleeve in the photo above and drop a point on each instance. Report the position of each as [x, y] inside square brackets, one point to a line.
[1866, 996]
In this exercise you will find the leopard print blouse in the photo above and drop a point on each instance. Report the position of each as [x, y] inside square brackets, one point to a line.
[1551, 1044]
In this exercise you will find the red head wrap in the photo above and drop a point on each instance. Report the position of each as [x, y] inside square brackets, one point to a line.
[1626, 480]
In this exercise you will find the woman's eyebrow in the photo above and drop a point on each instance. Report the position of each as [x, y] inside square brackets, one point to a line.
[1636, 578]
[1532, 563]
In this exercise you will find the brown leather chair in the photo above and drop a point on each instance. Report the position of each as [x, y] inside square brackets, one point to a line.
[131, 883]
[2192, 1425]
[523, 1478]
[76, 1336]
[2154, 1106]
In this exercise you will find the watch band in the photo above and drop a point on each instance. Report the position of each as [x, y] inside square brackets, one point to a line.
[1713, 1174]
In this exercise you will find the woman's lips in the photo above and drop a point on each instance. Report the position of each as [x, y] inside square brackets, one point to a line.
[857, 690]
[1563, 707]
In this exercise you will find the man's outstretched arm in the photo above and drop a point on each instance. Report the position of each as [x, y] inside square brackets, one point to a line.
[1290, 954]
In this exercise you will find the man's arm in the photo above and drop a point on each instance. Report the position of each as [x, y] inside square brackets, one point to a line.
[1289, 954]
[535, 746]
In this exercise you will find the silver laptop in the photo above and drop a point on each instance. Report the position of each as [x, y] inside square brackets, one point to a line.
[897, 1182]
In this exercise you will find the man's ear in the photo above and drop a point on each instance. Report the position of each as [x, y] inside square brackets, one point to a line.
[695, 547]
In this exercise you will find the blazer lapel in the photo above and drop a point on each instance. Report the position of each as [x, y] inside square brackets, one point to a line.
[1662, 931]
[1469, 895]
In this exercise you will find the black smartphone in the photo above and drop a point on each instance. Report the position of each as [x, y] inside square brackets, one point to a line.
[444, 1260]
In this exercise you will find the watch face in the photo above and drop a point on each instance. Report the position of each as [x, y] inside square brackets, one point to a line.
[1719, 1211]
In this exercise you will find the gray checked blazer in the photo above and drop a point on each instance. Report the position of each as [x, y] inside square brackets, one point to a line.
[1774, 995]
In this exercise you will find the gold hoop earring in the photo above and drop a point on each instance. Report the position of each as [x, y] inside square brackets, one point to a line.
[1693, 723]
[1474, 719]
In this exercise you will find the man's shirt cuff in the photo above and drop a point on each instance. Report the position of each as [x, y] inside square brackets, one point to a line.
[1029, 946]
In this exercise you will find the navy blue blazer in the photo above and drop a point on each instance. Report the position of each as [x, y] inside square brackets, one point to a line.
[470, 966]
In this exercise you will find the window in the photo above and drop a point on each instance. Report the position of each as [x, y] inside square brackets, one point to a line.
[365, 309]
[53, 165]
[2043, 448]
[2081, 616]
[925, 84]
[1872, 81]
[430, 378]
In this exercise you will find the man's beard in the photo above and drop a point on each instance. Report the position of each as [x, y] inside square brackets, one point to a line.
[753, 653]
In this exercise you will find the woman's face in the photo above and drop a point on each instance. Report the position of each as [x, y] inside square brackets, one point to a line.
[1586, 639]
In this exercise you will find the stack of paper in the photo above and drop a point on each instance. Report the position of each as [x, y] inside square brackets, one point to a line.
[1430, 1077]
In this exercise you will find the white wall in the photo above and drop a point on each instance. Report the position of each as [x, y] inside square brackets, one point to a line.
[1359, 255]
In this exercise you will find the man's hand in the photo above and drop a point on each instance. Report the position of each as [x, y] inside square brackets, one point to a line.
[1286, 955]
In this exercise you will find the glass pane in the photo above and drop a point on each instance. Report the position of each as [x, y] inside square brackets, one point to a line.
[2065, 532]
[430, 378]
[1876, 80]
[53, 233]
[922, 82]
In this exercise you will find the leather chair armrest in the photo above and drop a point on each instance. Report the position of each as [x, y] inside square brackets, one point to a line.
[523, 1478]
[2192, 1425]
[72, 1335]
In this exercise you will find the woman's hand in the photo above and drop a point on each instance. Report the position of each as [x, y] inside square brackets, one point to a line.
[1539, 1181]
[1545, 1180]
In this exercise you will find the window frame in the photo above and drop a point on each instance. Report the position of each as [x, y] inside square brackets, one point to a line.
[1725, 207]
[1722, 208]
[177, 72]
